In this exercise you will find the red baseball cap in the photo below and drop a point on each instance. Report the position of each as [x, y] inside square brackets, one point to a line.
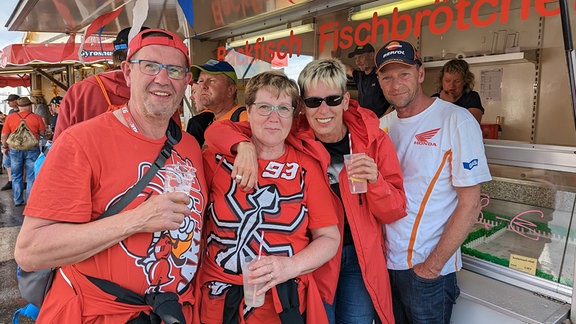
[155, 37]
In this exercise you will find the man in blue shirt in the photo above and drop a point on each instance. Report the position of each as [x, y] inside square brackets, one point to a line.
[369, 93]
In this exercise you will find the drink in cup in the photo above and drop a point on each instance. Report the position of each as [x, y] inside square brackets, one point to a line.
[250, 297]
[357, 186]
[178, 178]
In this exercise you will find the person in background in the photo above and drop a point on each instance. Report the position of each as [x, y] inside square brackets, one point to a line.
[98, 93]
[195, 98]
[216, 92]
[2, 119]
[54, 109]
[6, 152]
[150, 249]
[23, 160]
[442, 156]
[369, 93]
[12, 103]
[202, 117]
[353, 285]
[456, 84]
[41, 109]
[297, 228]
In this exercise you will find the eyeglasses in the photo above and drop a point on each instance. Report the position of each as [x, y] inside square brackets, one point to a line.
[175, 72]
[315, 102]
[265, 109]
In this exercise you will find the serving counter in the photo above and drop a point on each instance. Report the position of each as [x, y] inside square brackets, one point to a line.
[519, 258]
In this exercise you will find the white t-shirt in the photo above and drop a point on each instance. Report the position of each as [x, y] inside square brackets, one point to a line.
[439, 149]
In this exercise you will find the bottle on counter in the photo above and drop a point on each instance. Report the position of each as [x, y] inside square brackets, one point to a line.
[499, 121]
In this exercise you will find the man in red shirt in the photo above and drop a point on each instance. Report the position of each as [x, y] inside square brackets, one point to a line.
[150, 249]
[21, 160]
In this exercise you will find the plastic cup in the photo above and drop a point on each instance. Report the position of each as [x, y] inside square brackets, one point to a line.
[178, 178]
[357, 186]
[250, 297]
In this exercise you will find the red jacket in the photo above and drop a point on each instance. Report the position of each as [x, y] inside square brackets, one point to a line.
[385, 201]
[85, 100]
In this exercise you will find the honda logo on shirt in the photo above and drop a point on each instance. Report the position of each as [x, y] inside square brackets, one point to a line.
[424, 137]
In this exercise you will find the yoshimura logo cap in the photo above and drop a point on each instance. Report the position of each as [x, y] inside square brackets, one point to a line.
[121, 41]
[397, 51]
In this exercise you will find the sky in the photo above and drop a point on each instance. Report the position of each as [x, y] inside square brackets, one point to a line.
[8, 37]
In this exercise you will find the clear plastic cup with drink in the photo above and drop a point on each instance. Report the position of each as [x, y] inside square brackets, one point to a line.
[178, 178]
[250, 297]
[357, 186]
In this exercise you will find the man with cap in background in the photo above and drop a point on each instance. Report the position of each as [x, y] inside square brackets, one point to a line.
[149, 251]
[22, 160]
[441, 153]
[215, 90]
[218, 93]
[54, 109]
[12, 103]
[369, 93]
[98, 93]
[6, 155]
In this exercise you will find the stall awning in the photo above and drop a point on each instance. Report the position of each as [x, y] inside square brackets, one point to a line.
[23, 54]
[14, 81]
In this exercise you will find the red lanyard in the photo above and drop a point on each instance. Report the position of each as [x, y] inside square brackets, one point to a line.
[128, 117]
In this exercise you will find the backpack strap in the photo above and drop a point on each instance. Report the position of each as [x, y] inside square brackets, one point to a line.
[103, 90]
[236, 114]
[17, 113]
[173, 136]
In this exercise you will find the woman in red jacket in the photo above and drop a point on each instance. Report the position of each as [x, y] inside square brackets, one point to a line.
[354, 285]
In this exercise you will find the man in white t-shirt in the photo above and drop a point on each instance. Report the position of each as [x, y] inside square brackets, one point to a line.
[441, 153]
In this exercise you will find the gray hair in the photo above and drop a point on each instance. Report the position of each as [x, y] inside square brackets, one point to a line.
[328, 70]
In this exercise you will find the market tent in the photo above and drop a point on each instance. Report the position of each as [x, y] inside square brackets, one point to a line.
[14, 81]
[23, 54]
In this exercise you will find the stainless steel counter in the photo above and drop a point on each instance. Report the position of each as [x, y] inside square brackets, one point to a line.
[485, 300]
[528, 215]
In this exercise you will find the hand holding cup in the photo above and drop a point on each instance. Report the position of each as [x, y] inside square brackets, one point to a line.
[250, 297]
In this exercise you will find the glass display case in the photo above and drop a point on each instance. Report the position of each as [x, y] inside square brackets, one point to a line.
[525, 236]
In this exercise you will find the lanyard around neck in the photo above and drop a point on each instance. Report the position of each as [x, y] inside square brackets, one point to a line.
[128, 117]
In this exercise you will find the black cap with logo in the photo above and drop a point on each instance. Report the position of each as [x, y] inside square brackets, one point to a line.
[361, 50]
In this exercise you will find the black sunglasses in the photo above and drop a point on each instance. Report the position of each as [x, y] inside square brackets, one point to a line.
[315, 102]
